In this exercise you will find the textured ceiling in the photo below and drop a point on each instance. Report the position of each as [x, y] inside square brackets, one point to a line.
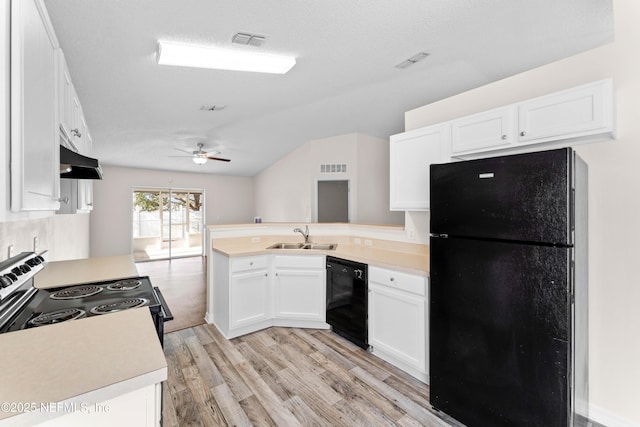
[344, 81]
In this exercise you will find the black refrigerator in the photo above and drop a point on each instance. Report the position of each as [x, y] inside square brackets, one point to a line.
[508, 289]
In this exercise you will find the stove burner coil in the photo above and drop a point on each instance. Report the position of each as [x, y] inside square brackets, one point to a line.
[119, 305]
[57, 316]
[75, 292]
[124, 285]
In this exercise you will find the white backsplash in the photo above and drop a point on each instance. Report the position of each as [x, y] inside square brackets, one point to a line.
[63, 236]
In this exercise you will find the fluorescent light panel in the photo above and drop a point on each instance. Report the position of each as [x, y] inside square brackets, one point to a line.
[187, 55]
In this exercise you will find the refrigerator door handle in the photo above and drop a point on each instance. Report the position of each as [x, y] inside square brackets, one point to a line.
[442, 236]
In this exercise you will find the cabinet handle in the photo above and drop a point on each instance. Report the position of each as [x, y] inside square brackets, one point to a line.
[504, 137]
[523, 133]
[266, 274]
[64, 200]
[76, 132]
[251, 263]
[392, 279]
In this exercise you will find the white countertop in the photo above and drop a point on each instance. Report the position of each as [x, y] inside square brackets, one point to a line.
[414, 260]
[77, 271]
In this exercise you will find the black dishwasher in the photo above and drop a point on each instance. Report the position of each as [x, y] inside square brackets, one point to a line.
[347, 299]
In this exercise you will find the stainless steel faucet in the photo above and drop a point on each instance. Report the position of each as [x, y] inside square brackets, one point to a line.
[304, 233]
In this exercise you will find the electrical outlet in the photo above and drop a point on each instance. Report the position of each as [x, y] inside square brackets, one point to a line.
[412, 235]
[10, 251]
[35, 244]
[255, 239]
[368, 242]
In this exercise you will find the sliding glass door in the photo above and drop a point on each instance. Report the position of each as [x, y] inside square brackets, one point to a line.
[167, 223]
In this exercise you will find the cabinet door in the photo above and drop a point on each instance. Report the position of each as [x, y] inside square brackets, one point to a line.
[85, 186]
[398, 325]
[486, 130]
[410, 154]
[249, 298]
[573, 113]
[300, 294]
[65, 95]
[35, 156]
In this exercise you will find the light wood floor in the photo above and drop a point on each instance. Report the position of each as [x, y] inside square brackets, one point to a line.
[278, 376]
[183, 284]
[286, 377]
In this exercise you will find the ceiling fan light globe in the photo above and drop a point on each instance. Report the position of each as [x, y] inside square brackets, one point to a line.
[199, 160]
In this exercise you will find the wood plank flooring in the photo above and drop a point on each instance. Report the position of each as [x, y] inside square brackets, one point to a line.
[286, 377]
[183, 284]
[278, 376]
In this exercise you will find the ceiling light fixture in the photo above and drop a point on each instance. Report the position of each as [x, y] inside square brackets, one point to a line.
[199, 160]
[187, 55]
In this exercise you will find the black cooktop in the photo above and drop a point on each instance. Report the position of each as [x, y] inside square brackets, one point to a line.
[50, 306]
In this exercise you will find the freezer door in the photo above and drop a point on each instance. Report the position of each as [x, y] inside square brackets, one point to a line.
[526, 197]
[499, 333]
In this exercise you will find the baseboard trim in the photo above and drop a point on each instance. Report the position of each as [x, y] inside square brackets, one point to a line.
[608, 418]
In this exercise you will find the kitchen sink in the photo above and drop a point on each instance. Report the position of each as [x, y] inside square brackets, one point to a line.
[309, 246]
[320, 246]
[286, 246]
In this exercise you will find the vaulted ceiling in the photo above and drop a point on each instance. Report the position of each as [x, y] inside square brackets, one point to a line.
[345, 79]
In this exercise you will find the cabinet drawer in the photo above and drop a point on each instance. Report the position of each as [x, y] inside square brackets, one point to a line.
[299, 261]
[398, 280]
[248, 263]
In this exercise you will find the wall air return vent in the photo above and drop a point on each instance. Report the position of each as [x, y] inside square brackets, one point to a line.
[333, 168]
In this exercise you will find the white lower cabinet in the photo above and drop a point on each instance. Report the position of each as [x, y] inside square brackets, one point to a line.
[140, 407]
[398, 320]
[299, 287]
[255, 292]
[249, 291]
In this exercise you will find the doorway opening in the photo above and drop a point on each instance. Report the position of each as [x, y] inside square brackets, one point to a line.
[167, 223]
[333, 201]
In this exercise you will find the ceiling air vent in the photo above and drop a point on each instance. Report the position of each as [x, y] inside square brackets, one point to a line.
[216, 107]
[248, 39]
[415, 58]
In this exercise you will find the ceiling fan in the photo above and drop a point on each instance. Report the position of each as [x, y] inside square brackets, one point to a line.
[200, 156]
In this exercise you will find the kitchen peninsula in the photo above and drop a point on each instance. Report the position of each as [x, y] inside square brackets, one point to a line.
[253, 285]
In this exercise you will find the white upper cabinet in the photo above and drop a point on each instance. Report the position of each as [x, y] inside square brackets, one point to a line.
[72, 121]
[35, 164]
[410, 155]
[574, 113]
[65, 95]
[486, 130]
[577, 115]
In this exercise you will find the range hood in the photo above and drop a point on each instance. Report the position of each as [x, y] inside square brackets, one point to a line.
[74, 165]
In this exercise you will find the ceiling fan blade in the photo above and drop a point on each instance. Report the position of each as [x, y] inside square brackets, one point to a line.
[184, 151]
[181, 156]
[218, 158]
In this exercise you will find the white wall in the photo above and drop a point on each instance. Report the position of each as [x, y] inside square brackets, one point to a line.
[373, 182]
[286, 191]
[63, 236]
[228, 200]
[614, 225]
